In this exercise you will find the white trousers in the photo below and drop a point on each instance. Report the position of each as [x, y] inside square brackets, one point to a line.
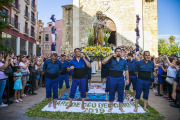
[137, 24]
[53, 37]
[137, 38]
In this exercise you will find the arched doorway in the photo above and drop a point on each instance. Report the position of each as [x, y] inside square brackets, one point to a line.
[111, 27]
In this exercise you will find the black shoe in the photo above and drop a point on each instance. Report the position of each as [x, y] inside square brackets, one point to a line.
[171, 100]
[168, 99]
[151, 87]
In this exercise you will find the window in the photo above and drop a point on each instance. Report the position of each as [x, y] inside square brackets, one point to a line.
[46, 46]
[47, 37]
[50, 25]
[32, 31]
[23, 47]
[32, 17]
[26, 24]
[16, 21]
[60, 47]
[56, 38]
[30, 48]
[26, 28]
[9, 41]
[4, 11]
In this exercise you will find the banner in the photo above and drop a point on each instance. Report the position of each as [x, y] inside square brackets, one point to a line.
[93, 107]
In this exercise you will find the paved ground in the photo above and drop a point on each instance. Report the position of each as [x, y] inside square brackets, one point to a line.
[16, 111]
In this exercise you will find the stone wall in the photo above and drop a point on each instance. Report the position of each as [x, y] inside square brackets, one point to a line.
[123, 10]
[67, 29]
[150, 26]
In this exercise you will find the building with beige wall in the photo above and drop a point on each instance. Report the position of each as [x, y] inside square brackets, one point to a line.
[40, 26]
[80, 16]
[21, 32]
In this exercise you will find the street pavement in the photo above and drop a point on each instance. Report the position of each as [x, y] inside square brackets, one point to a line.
[16, 111]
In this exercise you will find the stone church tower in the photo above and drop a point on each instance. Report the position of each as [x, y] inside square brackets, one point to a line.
[121, 20]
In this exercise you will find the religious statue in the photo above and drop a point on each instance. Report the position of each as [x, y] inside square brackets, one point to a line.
[98, 29]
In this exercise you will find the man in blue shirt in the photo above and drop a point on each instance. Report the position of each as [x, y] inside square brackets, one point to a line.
[143, 69]
[64, 75]
[132, 76]
[52, 67]
[116, 79]
[79, 65]
[176, 83]
[87, 76]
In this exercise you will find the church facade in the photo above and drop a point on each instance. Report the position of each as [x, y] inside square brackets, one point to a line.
[121, 20]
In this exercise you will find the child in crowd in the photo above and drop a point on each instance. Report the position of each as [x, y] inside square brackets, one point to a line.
[156, 80]
[18, 83]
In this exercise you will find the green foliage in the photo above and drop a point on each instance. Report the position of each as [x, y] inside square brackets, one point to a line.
[90, 36]
[171, 39]
[106, 36]
[4, 24]
[168, 48]
[36, 112]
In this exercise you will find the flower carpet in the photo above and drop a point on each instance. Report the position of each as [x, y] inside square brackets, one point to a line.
[96, 103]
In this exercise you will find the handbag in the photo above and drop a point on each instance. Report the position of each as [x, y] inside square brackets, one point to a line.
[169, 80]
[8, 71]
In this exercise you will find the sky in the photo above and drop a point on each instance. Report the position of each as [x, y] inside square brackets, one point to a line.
[168, 15]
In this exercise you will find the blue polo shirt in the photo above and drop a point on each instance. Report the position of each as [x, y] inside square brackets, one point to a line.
[53, 31]
[137, 46]
[142, 66]
[117, 65]
[107, 65]
[51, 67]
[131, 64]
[177, 79]
[53, 47]
[76, 64]
[64, 67]
[52, 18]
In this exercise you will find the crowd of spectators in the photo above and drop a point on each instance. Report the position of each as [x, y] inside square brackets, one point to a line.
[29, 68]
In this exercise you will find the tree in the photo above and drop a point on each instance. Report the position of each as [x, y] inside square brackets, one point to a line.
[168, 48]
[171, 39]
[4, 24]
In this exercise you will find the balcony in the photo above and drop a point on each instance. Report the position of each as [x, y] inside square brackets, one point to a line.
[26, 31]
[10, 20]
[26, 15]
[33, 6]
[33, 35]
[16, 26]
[33, 20]
[17, 7]
[12, 4]
[27, 2]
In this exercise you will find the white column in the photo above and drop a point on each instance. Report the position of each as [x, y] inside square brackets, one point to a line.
[27, 47]
[75, 24]
[18, 46]
[139, 11]
[34, 49]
